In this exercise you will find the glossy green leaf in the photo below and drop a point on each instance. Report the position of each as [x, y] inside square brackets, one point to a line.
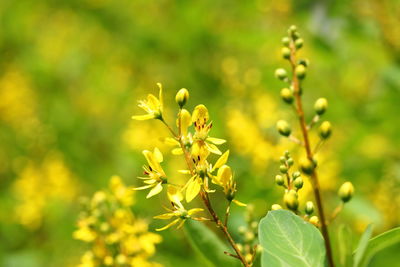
[362, 245]
[287, 240]
[208, 245]
[379, 243]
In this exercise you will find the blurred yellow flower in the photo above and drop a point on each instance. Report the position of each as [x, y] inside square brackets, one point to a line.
[153, 106]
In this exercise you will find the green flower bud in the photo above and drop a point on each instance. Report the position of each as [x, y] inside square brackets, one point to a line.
[281, 74]
[290, 161]
[298, 183]
[279, 180]
[287, 154]
[295, 175]
[287, 95]
[307, 166]
[283, 128]
[286, 41]
[314, 220]
[320, 105]
[292, 29]
[325, 130]
[285, 52]
[276, 207]
[291, 200]
[299, 43]
[346, 191]
[182, 97]
[309, 209]
[282, 160]
[304, 62]
[283, 169]
[300, 71]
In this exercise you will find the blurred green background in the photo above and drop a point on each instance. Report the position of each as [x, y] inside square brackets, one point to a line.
[71, 73]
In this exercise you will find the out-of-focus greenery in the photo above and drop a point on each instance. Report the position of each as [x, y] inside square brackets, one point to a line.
[72, 71]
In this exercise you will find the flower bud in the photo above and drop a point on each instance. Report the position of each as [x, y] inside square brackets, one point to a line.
[299, 43]
[276, 207]
[279, 180]
[314, 220]
[290, 161]
[320, 105]
[346, 191]
[298, 183]
[282, 160]
[182, 97]
[283, 169]
[291, 200]
[304, 62]
[292, 29]
[283, 128]
[309, 209]
[300, 71]
[286, 41]
[281, 74]
[287, 95]
[287, 154]
[325, 130]
[285, 52]
[307, 166]
[295, 175]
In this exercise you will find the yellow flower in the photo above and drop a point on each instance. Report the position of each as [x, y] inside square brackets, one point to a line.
[186, 137]
[153, 107]
[225, 179]
[156, 176]
[177, 210]
[199, 118]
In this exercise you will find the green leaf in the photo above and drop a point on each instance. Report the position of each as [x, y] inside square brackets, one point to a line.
[208, 245]
[287, 240]
[379, 243]
[344, 246]
[362, 245]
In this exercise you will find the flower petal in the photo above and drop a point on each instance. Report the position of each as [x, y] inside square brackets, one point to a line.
[195, 210]
[216, 141]
[177, 151]
[143, 117]
[165, 216]
[158, 155]
[221, 161]
[237, 202]
[193, 189]
[168, 225]
[213, 148]
[143, 187]
[157, 189]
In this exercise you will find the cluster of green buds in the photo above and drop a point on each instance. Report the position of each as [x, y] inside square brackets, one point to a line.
[249, 234]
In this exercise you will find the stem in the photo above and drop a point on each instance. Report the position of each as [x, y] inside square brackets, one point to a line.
[336, 212]
[204, 195]
[227, 212]
[314, 175]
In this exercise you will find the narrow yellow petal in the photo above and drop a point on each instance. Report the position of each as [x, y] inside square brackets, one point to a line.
[216, 141]
[213, 148]
[158, 155]
[160, 96]
[193, 189]
[237, 202]
[143, 117]
[195, 210]
[171, 141]
[177, 151]
[157, 189]
[184, 171]
[168, 225]
[142, 187]
[224, 174]
[165, 216]
[221, 161]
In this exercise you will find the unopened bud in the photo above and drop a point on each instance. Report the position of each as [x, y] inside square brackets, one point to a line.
[292, 29]
[309, 209]
[287, 95]
[300, 71]
[299, 43]
[276, 207]
[346, 191]
[296, 174]
[285, 52]
[290, 161]
[283, 128]
[286, 41]
[182, 97]
[314, 220]
[325, 130]
[298, 183]
[283, 169]
[307, 166]
[291, 200]
[282, 160]
[281, 74]
[320, 105]
[279, 180]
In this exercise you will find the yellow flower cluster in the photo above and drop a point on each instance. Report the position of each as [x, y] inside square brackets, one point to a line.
[116, 237]
[38, 184]
[196, 147]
